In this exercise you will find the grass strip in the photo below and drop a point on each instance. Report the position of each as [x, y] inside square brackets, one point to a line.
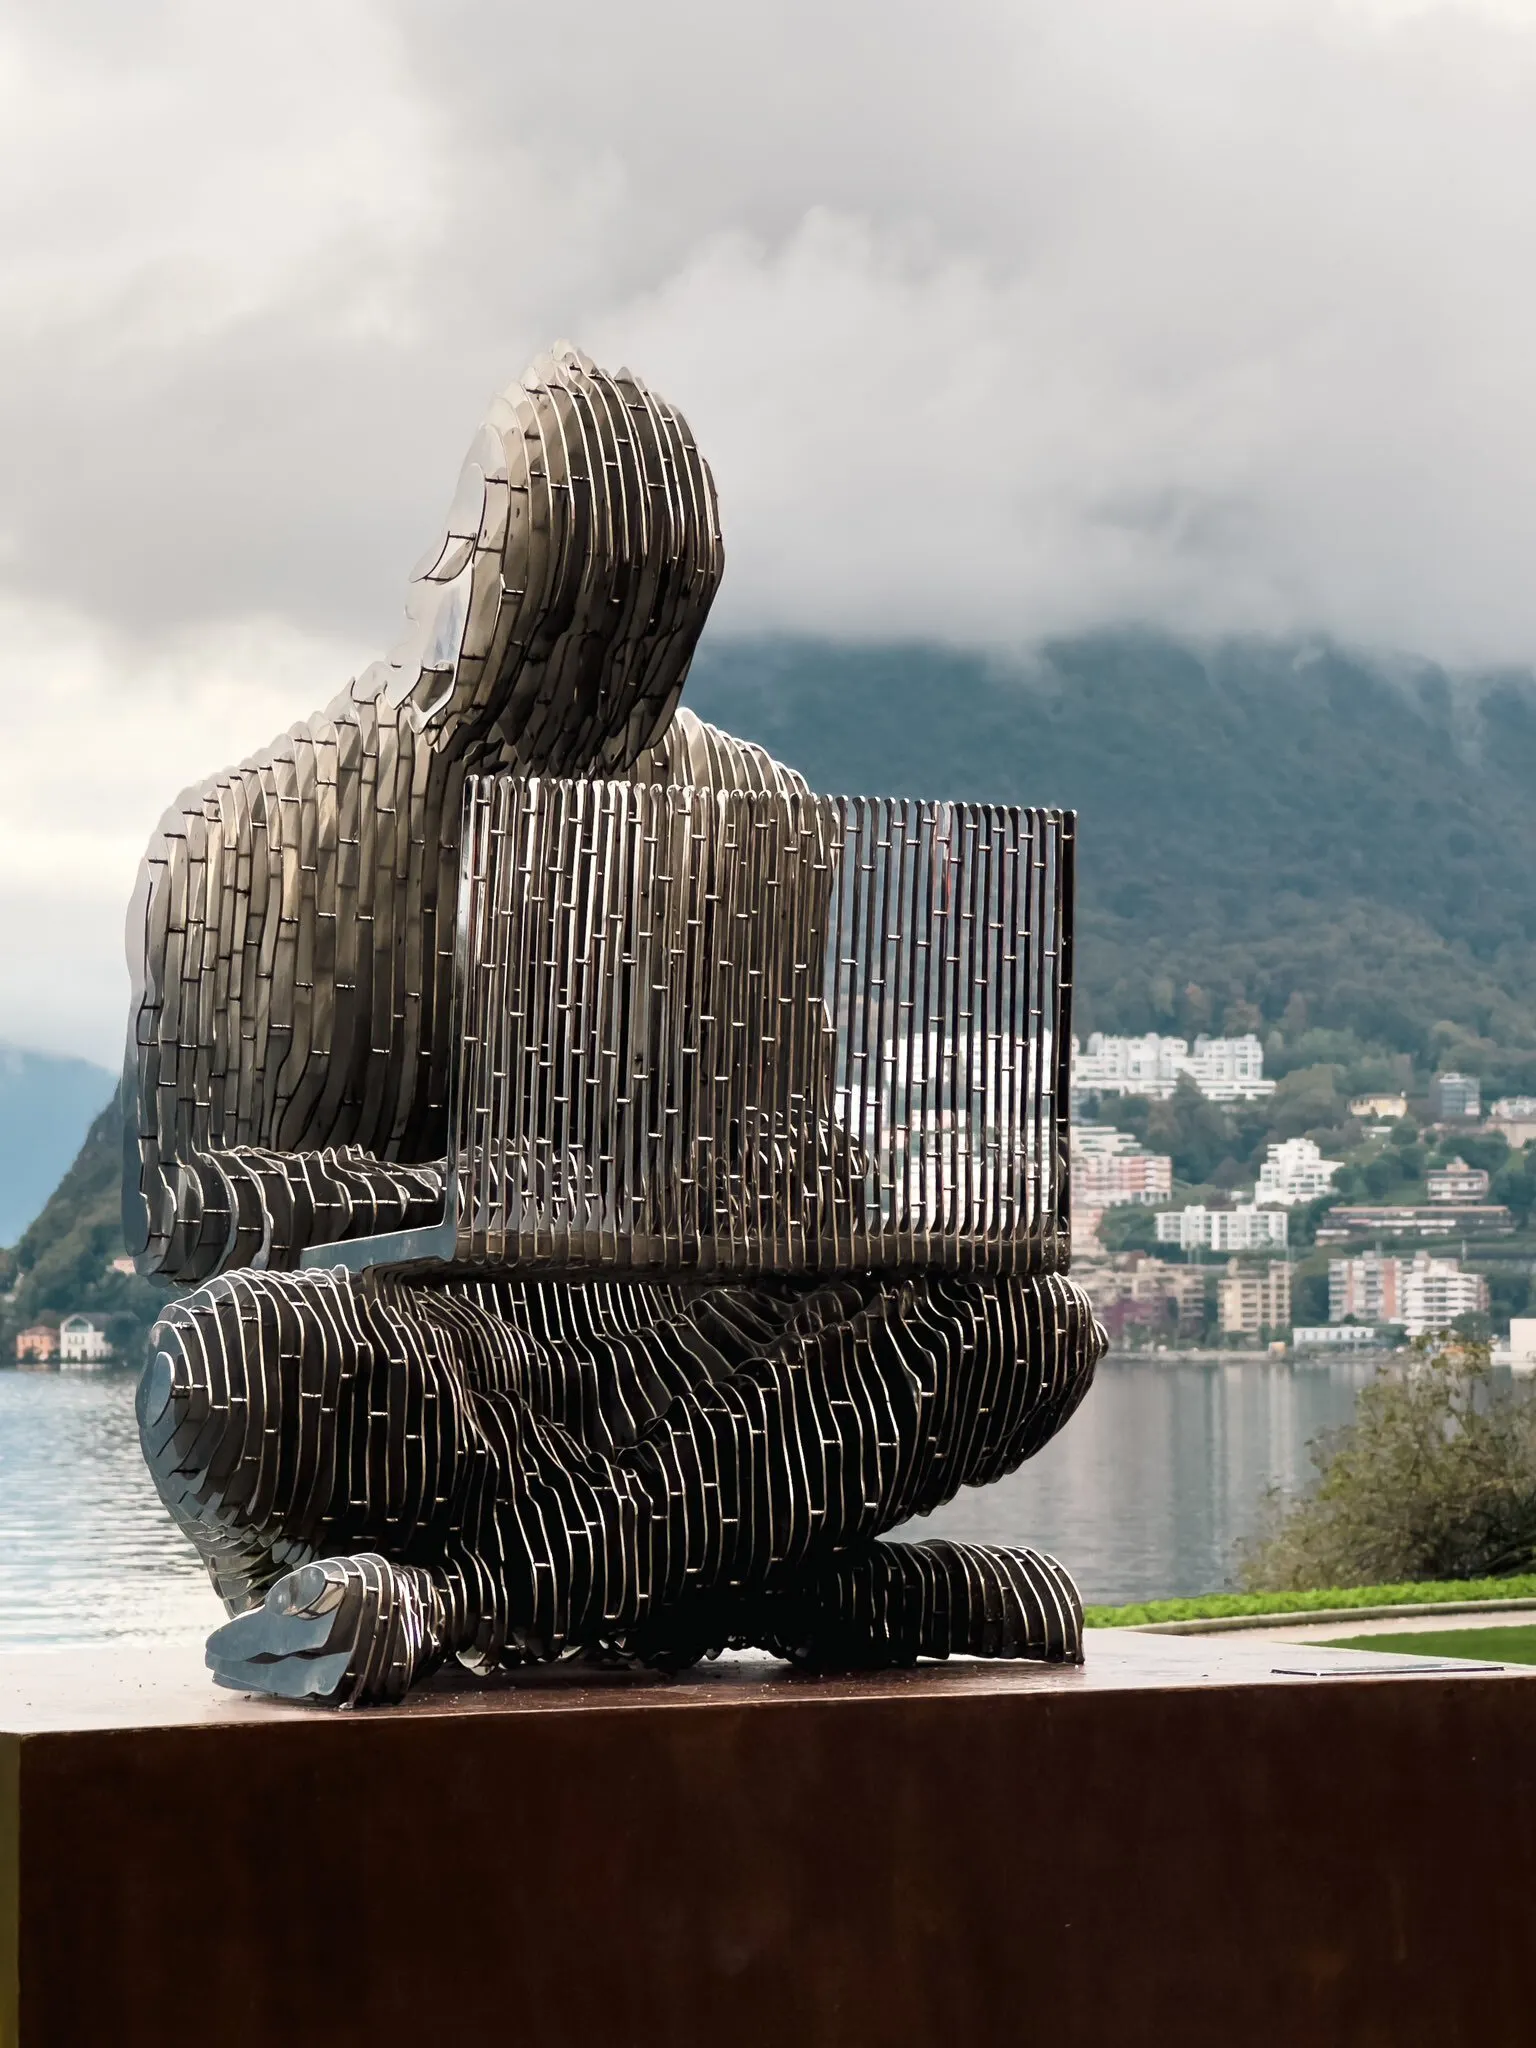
[1485, 1645]
[1219, 1606]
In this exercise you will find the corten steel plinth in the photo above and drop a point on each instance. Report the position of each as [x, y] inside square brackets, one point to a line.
[1173, 1844]
[618, 1184]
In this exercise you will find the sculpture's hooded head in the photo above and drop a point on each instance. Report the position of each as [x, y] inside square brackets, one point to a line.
[559, 610]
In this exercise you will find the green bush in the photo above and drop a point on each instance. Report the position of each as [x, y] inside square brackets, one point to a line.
[1435, 1478]
[1222, 1606]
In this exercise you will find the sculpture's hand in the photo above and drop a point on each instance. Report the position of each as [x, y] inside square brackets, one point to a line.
[250, 1207]
[347, 1632]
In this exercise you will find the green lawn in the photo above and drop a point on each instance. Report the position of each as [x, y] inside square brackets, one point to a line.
[1486, 1645]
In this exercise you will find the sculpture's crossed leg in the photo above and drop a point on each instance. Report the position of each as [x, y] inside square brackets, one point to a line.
[510, 1472]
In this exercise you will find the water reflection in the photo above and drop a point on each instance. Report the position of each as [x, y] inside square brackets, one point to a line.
[87, 1553]
[1148, 1492]
[1161, 1473]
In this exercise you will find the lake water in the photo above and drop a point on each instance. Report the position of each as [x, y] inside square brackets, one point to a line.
[1148, 1491]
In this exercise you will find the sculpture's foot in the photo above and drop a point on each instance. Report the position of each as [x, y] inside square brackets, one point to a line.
[347, 1631]
[888, 1604]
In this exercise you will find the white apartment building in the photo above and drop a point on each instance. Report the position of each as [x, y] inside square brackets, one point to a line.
[1225, 1069]
[1252, 1300]
[82, 1342]
[1295, 1171]
[1110, 1166]
[1456, 1182]
[1243, 1229]
[1367, 1289]
[1437, 1291]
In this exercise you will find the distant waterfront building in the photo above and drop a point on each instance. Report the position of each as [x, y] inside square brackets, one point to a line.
[1456, 1182]
[123, 1265]
[1413, 1219]
[1225, 1069]
[1110, 1166]
[1437, 1291]
[1334, 1336]
[1455, 1095]
[1388, 1108]
[1150, 1296]
[1243, 1229]
[1251, 1301]
[1295, 1171]
[38, 1344]
[1367, 1289]
[82, 1342]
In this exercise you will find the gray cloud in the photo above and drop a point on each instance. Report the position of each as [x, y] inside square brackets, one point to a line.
[995, 321]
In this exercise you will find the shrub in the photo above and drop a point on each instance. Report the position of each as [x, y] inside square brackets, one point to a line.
[1435, 1478]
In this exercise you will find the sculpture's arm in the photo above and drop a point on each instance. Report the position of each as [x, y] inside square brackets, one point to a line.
[285, 1081]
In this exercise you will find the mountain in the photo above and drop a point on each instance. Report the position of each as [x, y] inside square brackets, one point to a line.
[46, 1108]
[1335, 850]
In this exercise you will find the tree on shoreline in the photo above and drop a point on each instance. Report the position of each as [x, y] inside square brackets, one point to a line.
[1435, 1478]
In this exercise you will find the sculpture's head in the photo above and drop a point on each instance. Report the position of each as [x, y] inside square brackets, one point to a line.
[559, 610]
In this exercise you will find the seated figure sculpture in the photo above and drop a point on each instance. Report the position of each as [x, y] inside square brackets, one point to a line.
[387, 1467]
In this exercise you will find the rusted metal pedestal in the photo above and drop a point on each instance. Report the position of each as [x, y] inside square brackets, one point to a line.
[1184, 1843]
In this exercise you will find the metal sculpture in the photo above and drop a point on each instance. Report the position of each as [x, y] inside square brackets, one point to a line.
[676, 1160]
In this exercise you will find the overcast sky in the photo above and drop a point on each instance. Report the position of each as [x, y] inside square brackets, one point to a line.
[994, 320]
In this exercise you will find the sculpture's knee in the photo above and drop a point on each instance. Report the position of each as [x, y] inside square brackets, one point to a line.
[216, 1407]
[1063, 1343]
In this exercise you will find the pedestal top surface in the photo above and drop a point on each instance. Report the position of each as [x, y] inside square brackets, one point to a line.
[64, 1691]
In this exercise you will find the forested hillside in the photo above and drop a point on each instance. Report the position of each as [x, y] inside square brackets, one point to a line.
[63, 1262]
[1337, 852]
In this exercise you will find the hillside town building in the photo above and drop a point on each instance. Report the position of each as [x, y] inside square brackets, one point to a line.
[1251, 1300]
[1414, 1219]
[38, 1344]
[1243, 1229]
[1382, 1108]
[1295, 1171]
[1456, 1182]
[1514, 1118]
[1452, 1096]
[1225, 1069]
[1110, 1166]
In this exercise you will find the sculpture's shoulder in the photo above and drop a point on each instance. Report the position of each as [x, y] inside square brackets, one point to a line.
[697, 755]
